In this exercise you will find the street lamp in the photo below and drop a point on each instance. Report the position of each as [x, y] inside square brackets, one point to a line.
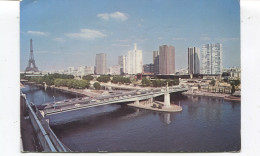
[54, 102]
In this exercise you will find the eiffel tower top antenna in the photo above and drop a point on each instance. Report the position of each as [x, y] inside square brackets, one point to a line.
[31, 67]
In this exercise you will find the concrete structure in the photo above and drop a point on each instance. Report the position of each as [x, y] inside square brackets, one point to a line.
[89, 70]
[114, 70]
[134, 61]
[211, 59]
[122, 63]
[193, 60]
[101, 63]
[167, 97]
[149, 68]
[167, 60]
[133, 96]
[156, 61]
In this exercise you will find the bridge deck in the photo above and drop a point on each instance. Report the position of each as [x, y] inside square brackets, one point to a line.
[83, 103]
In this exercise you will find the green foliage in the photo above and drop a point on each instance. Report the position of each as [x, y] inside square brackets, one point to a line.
[88, 77]
[213, 82]
[146, 82]
[48, 79]
[173, 82]
[234, 82]
[120, 79]
[233, 89]
[158, 83]
[97, 85]
[103, 78]
[225, 74]
[72, 83]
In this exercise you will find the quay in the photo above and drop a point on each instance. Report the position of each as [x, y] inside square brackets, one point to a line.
[157, 106]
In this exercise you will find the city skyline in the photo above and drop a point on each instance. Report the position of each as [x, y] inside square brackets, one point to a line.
[60, 43]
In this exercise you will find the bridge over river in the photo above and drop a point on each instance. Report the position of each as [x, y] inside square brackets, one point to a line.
[86, 102]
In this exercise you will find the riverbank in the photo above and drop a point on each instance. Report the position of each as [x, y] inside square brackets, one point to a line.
[77, 92]
[219, 95]
[171, 108]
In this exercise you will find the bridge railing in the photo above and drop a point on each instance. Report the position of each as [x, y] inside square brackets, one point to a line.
[47, 138]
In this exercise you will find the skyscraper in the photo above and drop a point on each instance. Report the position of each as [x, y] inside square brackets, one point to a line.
[122, 63]
[101, 63]
[156, 61]
[194, 60]
[134, 61]
[211, 59]
[167, 59]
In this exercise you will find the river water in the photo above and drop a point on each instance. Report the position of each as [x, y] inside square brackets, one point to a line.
[205, 125]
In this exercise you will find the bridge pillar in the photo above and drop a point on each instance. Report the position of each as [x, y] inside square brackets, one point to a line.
[137, 102]
[167, 97]
[151, 100]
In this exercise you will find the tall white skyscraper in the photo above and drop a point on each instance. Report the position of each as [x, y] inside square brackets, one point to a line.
[194, 60]
[211, 59]
[134, 61]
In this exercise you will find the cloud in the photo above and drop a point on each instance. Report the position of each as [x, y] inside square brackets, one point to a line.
[119, 16]
[38, 33]
[89, 34]
[58, 39]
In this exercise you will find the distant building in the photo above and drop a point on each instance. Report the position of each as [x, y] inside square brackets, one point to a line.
[166, 60]
[122, 63]
[156, 61]
[71, 70]
[194, 60]
[211, 59]
[134, 61]
[149, 68]
[114, 70]
[81, 70]
[101, 63]
[89, 70]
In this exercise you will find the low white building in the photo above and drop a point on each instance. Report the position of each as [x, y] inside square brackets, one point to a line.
[114, 70]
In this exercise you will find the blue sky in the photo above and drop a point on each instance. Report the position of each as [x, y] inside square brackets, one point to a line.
[69, 33]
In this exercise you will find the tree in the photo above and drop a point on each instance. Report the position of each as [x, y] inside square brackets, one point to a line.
[233, 89]
[88, 77]
[97, 85]
[213, 82]
[103, 78]
[146, 82]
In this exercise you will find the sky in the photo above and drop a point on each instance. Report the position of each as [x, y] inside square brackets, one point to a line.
[69, 33]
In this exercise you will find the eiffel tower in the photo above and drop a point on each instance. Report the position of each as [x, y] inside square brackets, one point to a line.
[31, 67]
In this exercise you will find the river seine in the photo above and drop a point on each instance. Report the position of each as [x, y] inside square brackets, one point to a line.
[205, 125]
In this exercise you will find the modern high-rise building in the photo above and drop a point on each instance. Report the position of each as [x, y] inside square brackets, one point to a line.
[134, 61]
[193, 60]
[211, 59]
[167, 60]
[101, 63]
[156, 61]
[148, 68]
[122, 63]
